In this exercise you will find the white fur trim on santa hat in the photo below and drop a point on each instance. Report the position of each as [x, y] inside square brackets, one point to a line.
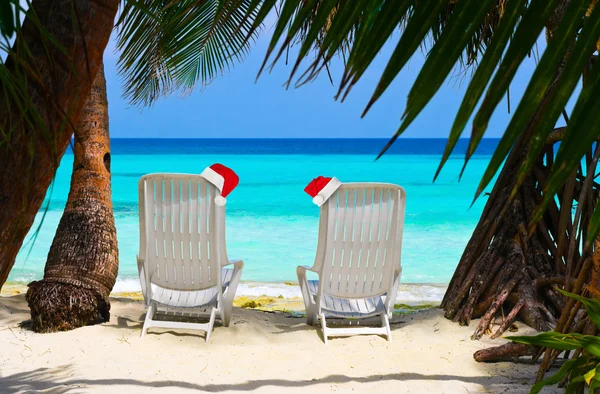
[216, 179]
[213, 177]
[327, 191]
[220, 201]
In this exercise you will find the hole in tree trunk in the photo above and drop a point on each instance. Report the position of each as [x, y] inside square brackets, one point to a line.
[107, 161]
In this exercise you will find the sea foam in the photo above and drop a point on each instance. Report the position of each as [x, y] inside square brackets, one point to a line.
[409, 294]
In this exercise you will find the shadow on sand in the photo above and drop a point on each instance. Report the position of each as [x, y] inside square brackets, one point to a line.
[61, 380]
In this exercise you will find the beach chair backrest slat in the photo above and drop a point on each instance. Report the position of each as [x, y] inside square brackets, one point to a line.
[360, 239]
[182, 231]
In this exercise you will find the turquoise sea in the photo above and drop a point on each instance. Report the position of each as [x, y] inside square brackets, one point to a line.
[271, 223]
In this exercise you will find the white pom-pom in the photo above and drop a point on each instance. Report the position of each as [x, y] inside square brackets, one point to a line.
[220, 201]
[318, 200]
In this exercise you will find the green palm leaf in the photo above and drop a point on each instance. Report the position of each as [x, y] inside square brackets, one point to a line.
[592, 306]
[494, 36]
[363, 52]
[329, 32]
[553, 340]
[169, 46]
[583, 129]
[7, 18]
[561, 373]
[441, 59]
[540, 107]
[525, 36]
[482, 76]
[419, 24]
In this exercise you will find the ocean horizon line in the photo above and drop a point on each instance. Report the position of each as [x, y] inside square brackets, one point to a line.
[290, 146]
[297, 138]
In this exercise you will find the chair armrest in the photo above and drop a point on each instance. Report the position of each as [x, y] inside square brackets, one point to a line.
[236, 263]
[391, 298]
[305, 268]
[301, 272]
[303, 282]
[144, 280]
[397, 273]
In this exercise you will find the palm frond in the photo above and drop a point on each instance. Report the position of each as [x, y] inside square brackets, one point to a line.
[168, 46]
[494, 37]
[18, 72]
[8, 22]
[483, 32]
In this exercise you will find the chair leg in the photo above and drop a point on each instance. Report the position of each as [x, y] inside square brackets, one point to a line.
[227, 311]
[211, 323]
[385, 322]
[149, 315]
[324, 328]
[309, 305]
[227, 304]
[311, 315]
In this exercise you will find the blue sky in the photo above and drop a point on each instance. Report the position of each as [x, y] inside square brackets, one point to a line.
[234, 106]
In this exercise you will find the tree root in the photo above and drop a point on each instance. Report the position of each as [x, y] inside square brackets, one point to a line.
[61, 307]
[510, 319]
[512, 274]
[484, 323]
[507, 352]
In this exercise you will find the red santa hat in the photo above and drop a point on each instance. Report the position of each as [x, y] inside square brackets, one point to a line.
[321, 188]
[223, 178]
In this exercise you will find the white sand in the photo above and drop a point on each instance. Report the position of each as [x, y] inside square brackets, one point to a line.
[261, 352]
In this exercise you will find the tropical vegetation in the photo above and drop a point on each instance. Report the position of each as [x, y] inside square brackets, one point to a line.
[540, 224]
[46, 79]
[583, 369]
[82, 264]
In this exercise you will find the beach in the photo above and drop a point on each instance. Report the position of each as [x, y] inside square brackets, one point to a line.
[262, 352]
[282, 241]
[273, 226]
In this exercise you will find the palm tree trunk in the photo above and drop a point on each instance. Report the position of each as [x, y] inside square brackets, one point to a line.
[505, 271]
[502, 262]
[58, 80]
[83, 260]
[508, 272]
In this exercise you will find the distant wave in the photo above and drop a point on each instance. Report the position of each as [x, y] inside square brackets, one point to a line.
[291, 146]
[410, 293]
[129, 174]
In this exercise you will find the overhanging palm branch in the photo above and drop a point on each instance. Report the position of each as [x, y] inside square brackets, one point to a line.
[494, 35]
[8, 18]
[505, 263]
[18, 72]
[171, 45]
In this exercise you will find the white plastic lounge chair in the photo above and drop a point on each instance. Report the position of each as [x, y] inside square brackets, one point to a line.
[182, 253]
[358, 258]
